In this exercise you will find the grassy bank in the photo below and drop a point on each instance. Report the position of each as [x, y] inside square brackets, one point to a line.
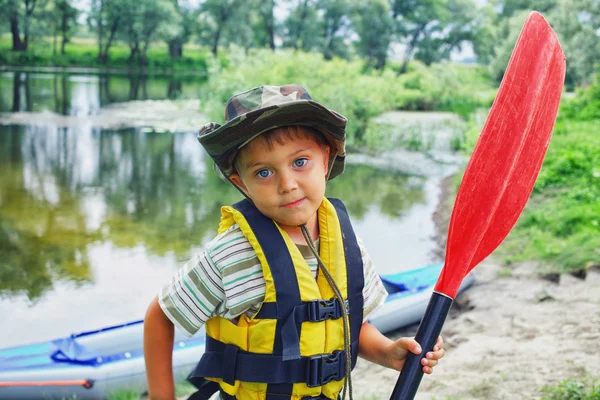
[83, 52]
[560, 225]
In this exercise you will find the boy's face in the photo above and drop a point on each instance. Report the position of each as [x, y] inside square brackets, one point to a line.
[286, 181]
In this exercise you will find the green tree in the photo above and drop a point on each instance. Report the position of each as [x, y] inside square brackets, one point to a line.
[485, 34]
[336, 27]
[431, 29]
[247, 29]
[20, 13]
[508, 8]
[458, 26]
[215, 17]
[147, 21]
[266, 26]
[301, 25]
[577, 24]
[187, 22]
[105, 18]
[374, 25]
[65, 20]
[496, 22]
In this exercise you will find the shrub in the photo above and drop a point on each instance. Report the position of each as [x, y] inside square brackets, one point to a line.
[573, 389]
[342, 85]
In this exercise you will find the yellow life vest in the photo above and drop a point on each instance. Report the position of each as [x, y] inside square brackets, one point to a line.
[293, 346]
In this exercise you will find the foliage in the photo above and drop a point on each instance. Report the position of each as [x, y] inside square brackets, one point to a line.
[65, 20]
[374, 26]
[218, 18]
[346, 88]
[431, 29]
[503, 49]
[300, 25]
[586, 104]
[142, 23]
[426, 30]
[574, 389]
[336, 27]
[576, 22]
[560, 224]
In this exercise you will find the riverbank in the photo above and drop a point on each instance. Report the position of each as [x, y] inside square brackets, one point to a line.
[515, 333]
[74, 70]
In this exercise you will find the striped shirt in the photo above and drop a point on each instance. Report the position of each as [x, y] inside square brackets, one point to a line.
[227, 280]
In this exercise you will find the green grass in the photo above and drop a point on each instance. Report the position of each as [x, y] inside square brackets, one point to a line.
[560, 225]
[125, 394]
[83, 52]
[504, 272]
[586, 388]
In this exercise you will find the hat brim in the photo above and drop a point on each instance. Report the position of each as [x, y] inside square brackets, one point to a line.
[223, 142]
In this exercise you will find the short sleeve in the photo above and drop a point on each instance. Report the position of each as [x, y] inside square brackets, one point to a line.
[374, 293]
[193, 294]
[225, 280]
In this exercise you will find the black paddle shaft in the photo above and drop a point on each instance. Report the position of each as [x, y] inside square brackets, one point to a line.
[427, 334]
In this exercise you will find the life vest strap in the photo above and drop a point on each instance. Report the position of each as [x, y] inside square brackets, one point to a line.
[219, 359]
[309, 311]
[227, 396]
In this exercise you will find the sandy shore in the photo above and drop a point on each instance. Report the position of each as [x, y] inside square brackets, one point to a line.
[522, 333]
[514, 334]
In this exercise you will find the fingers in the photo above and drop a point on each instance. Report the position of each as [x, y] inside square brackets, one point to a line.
[428, 364]
[436, 354]
[432, 357]
[409, 344]
[439, 343]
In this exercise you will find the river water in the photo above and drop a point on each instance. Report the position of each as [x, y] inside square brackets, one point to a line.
[93, 220]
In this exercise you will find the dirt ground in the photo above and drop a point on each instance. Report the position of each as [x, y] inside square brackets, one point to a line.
[521, 334]
[513, 334]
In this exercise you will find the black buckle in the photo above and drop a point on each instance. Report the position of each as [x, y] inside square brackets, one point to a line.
[325, 368]
[320, 310]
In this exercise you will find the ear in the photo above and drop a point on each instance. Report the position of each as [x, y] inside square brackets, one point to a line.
[237, 181]
[326, 152]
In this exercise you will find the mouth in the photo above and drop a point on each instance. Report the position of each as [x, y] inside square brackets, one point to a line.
[294, 204]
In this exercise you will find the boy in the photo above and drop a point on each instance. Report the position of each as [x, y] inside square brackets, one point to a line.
[283, 319]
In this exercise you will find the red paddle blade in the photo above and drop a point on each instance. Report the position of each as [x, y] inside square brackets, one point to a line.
[509, 153]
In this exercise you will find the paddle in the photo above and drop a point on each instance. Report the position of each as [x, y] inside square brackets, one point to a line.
[499, 177]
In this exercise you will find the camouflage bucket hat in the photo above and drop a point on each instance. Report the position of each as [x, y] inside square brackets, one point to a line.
[263, 108]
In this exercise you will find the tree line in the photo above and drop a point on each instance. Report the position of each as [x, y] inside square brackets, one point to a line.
[426, 30]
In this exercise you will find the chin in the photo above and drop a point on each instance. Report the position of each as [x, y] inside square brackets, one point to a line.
[293, 221]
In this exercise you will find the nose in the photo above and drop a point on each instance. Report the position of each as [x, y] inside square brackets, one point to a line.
[287, 182]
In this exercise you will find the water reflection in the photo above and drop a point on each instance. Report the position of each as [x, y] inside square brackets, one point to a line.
[64, 189]
[80, 95]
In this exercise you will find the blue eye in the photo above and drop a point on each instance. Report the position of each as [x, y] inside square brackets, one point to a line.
[263, 173]
[301, 162]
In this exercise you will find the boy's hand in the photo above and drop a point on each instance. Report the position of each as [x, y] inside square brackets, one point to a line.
[398, 351]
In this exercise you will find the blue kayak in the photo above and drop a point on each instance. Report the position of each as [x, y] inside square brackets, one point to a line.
[93, 364]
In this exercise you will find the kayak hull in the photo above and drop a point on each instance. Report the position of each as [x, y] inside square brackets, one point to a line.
[93, 365]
